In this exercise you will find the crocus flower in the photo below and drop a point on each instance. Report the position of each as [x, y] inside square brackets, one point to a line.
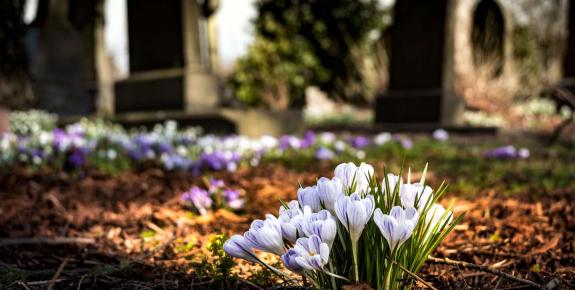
[360, 142]
[436, 216]
[398, 226]
[507, 152]
[320, 224]
[237, 246]
[310, 197]
[415, 195]
[266, 235]
[289, 261]
[233, 199]
[308, 139]
[216, 184]
[351, 174]
[329, 191]
[199, 198]
[291, 219]
[381, 138]
[406, 143]
[354, 213]
[440, 135]
[312, 253]
[323, 153]
[392, 180]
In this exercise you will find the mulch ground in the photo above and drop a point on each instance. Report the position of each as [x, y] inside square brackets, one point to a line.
[131, 231]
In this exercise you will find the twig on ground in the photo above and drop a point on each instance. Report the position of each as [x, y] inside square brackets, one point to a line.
[486, 269]
[414, 276]
[23, 284]
[81, 280]
[48, 241]
[57, 274]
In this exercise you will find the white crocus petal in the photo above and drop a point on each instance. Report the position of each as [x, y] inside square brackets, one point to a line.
[321, 224]
[411, 193]
[393, 180]
[312, 253]
[290, 221]
[266, 235]
[310, 197]
[349, 173]
[237, 246]
[354, 213]
[346, 173]
[364, 173]
[435, 215]
[329, 191]
[398, 226]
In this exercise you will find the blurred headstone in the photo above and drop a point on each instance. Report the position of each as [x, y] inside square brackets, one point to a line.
[421, 74]
[167, 71]
[60, 45]
[569, 60]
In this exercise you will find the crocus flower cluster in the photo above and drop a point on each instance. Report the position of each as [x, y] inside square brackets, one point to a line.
[352, 227]
[216, 195]
[507, 152]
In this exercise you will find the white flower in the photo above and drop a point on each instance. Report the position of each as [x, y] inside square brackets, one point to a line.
[381, 138]
[440, 135]
[310, 197]
[266, 235]
[354, 213]
[312, 254]
[237, 246]
[393, 180]
[349, 173]
[329, 191]
[415, 195]
[321, 224]
[398, 226]
[437, 216]
[290, 221]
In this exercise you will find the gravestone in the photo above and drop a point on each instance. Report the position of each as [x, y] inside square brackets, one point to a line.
[60, 49]
[488, 37]
[167, 71]
[569, 60]
[420, 71]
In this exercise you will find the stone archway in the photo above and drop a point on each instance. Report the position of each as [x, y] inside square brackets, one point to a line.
[488, 37]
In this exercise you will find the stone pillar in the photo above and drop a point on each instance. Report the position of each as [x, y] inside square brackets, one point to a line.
[104, 74]
[421, 66]
[200, 87]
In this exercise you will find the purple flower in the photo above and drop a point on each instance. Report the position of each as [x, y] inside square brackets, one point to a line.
[233, 199]
[199, 198]
[360, 142]
[216, 184]
[507, 152]
[440, 135]
[78, 157]
[323, 153]
[175, 161]
[289, 141]
[308, 139]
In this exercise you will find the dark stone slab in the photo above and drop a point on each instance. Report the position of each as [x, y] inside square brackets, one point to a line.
[149, 95]
[569, 60]
[416, 64]
[155, 34]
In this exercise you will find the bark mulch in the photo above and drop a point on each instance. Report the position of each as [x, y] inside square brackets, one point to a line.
[131, 231]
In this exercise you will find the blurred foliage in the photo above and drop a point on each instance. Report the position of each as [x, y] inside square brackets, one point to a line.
[299, 43]
[32, 122]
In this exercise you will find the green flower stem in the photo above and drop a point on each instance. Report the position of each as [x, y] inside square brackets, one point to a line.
[355, 265]
[333, 285]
